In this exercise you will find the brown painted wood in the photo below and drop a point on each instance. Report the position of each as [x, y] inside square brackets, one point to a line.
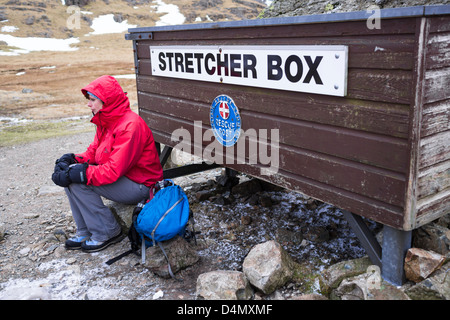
[381, 151]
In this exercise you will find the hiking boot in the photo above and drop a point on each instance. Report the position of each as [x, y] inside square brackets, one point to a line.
[94, 246]
[75, 242]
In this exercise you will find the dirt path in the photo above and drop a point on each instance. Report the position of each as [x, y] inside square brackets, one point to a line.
[36, 217]
[35, 214]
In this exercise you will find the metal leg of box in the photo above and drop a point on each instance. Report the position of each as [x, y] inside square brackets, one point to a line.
[390, 257]
[183, 170]
[365, 236]
[164, 155]
[395, 245]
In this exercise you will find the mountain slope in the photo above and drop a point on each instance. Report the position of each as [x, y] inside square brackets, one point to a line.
[72, 18]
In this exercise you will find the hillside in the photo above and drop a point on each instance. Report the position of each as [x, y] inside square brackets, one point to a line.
[49, 18]
[49, 50]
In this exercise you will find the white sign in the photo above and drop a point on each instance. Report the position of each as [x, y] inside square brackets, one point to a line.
[313, 69]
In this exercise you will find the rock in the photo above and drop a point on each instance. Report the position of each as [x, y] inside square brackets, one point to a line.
[181, 255]
[419, 263]
[434, 237]
[284, 235]
[3, 16]
[79, 3]
[265, 201]
[249, 187]
[122, 212]
[223, 285]
[60, 235]
[280, 8]
[24, 251]
[29, 216]
[246, 220]
[268, 266]
[310, 296]
[30, 20]
[158, 295]
[118, 17]
[317, 234]
[2, 231]
[27, 90]
[333, 276]
[203, 195]
[444, 221]
[362, 287]
[436, 287]
[227, 181]
[25, 290]
[50, 190]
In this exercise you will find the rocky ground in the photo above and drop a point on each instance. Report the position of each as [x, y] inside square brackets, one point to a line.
[36, 218]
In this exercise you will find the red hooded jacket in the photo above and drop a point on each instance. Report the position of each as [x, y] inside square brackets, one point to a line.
[123, 143]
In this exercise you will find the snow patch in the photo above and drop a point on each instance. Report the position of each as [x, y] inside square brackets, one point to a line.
[172, 16]
[29, 44]
[106, 24]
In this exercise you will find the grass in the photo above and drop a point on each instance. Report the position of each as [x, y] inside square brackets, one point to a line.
[37, 130]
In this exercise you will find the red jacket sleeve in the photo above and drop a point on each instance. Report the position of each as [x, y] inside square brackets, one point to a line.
[126, 150]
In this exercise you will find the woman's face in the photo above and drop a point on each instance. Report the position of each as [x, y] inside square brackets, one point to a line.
[95, 104]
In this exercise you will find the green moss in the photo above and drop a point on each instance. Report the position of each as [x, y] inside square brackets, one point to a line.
[307, 279]
[329, 7]
[37, 130]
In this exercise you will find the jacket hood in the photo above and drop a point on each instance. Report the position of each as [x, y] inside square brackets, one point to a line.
[115, 101]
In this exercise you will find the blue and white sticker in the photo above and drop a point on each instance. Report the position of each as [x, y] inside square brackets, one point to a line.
[225, 120]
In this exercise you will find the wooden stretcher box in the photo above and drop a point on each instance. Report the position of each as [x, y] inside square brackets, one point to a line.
[349, 108]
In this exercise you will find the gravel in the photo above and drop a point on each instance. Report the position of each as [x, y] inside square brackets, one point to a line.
[35, 219]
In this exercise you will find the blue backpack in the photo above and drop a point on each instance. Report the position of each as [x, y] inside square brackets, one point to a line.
[161, 218]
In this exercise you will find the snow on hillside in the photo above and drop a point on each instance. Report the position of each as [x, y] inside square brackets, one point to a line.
[101, 25]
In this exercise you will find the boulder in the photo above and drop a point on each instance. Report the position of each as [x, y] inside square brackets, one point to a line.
[247, 188]
[363, 287]
[433, 236]
[122, 212]
[335, 274]
[223, 285]
[180, 253]
[420, 263]
[435, 287]
[268, 266]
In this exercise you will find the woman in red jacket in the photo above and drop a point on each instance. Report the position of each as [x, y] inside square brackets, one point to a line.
[121, 164]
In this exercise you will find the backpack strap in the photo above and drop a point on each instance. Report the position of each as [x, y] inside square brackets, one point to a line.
[168, 263]
[111, 261]
[143, 250]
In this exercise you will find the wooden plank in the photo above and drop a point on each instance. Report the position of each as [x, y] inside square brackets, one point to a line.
[362, 179]
[438, 51]
[369, 52]
[377, 117]
[434, 149]
[380, 85]
[377, 150]
[364, 206]
[435, 118]
[439, 24]
[433, 207]
[392, 86]
[437, 84]
[337, 29]
[433, 180]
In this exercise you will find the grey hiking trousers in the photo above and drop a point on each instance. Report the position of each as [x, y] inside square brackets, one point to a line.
[91, 216]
